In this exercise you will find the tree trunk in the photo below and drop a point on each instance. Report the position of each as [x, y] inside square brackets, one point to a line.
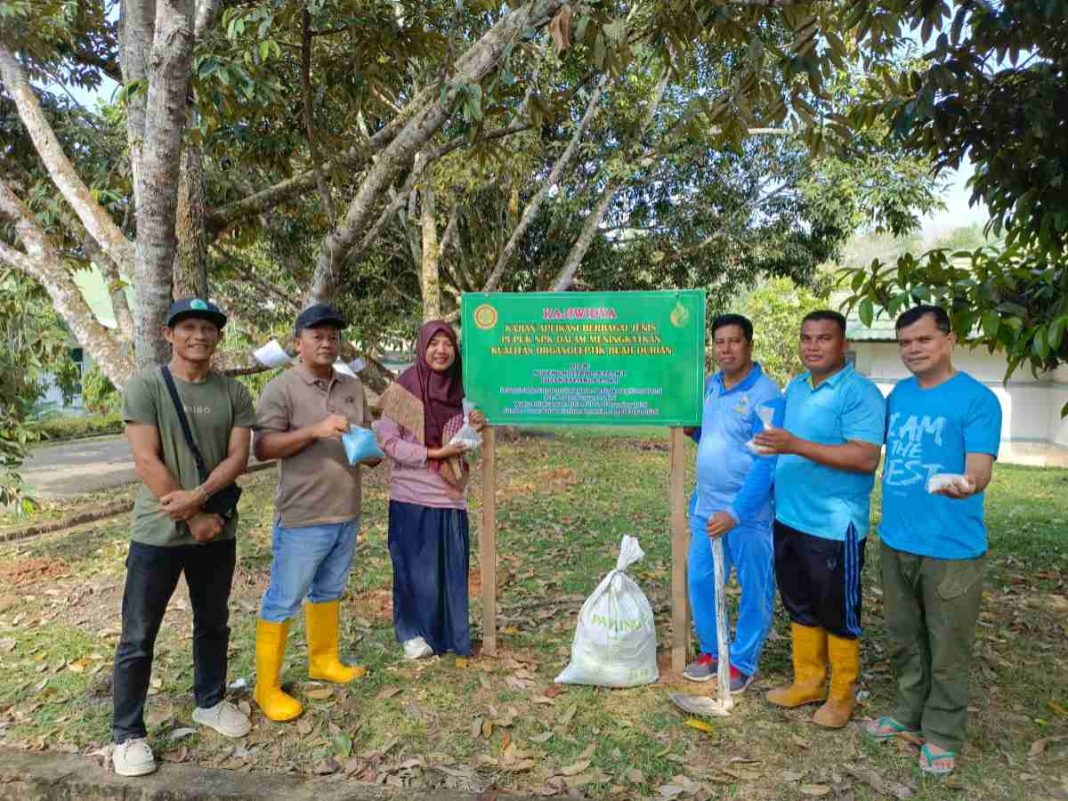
[191, 268]
[137, 21]
[165, 115]
[431, 279]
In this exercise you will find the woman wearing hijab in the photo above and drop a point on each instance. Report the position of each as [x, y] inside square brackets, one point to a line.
[428, 527]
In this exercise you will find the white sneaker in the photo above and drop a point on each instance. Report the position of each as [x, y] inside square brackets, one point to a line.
[417, 648]
[133, 758]
[225, 718]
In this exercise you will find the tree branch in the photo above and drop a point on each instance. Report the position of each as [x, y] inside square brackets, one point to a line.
[578, 251]
[534, 205]
[42, 263]
[205, 18]
[309, 117]
[95, 219]
[471, 67]
[112, 277]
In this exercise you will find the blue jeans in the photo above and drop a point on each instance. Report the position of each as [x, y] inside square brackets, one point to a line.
[311, 562]
[749, 549]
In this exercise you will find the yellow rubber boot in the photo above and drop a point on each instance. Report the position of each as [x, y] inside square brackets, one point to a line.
[810, 669]
[270, 646]
[845, 669]
[323, 663]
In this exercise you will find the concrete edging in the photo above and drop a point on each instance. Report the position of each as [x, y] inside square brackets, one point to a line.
[50, 776]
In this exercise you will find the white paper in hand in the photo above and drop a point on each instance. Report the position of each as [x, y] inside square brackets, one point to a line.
[271, 355]
[615, 639]
[940, 481]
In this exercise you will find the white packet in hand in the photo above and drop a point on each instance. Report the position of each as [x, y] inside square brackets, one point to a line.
[766, 415]
[271, 355]
[467, 437]
[939, 481]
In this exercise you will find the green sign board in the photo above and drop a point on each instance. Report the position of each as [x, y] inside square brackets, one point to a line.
[580, 358]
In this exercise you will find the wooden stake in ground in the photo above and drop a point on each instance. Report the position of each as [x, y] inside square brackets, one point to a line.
[487, 550]
[702, 705]
[723, 673]
[680, 611]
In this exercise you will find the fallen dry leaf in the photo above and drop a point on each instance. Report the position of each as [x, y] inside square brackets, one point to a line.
[327, 767]
[815, 790]
[567, 715]
[635, 776]
[320, 693]
[388, 692]
[1038, 747]
[175, 755]
[700, 725]
[880, 784]
[544, 737]
[574, 769]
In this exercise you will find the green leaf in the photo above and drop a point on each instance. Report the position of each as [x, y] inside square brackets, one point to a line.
[866, 311]
[991, 323]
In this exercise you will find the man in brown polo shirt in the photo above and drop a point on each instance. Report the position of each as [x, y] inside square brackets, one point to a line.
[302, 414]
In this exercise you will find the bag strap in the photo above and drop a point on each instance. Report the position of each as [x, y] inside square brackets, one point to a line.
[179, 409]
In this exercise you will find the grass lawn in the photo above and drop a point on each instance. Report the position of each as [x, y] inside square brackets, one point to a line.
[564, 500]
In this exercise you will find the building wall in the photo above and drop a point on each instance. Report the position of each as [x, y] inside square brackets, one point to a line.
[1032, 429]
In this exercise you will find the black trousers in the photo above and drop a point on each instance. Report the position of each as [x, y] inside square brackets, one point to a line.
[152, 574]
[819, 579]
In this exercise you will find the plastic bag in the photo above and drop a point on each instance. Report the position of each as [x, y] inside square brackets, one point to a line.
[766, 415]
[940, 481]
[360, 444]
[467, 436]
[615, 639]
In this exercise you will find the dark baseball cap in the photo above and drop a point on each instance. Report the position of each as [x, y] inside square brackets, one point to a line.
[195, 307]
[320, 314]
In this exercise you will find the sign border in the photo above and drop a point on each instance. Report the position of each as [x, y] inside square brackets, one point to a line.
[469, 301]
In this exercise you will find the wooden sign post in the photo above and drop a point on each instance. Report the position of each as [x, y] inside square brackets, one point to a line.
[589, 358]
[487, 546]
[680, 544]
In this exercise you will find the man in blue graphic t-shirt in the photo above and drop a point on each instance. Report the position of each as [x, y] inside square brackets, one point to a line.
[942, 434]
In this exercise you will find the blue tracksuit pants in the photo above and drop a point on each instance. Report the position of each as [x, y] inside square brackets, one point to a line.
[749, 549]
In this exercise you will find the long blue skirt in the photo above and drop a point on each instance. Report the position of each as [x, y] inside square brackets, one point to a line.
[430, 552]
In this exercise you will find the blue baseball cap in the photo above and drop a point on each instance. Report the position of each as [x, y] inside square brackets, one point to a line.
[195, 307]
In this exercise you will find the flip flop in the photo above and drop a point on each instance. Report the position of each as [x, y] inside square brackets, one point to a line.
[928, 759]
[886, 728]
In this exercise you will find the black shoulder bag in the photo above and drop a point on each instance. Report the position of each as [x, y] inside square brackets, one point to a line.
[223, 502]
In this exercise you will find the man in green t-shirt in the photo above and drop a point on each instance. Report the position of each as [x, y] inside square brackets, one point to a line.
[178, 527]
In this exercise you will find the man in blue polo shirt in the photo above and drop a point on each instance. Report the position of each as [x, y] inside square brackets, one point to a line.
[942, 438]
[829, 448]
[733, 501]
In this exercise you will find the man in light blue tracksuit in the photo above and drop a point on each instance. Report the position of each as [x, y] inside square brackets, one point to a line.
[733, 500]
